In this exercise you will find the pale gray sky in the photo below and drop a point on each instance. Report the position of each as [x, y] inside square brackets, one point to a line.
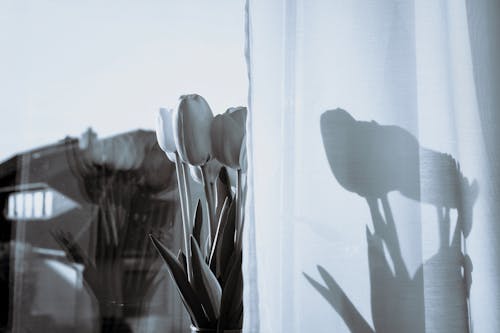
[69, 64]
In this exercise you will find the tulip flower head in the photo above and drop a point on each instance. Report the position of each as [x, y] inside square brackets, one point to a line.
[201, 145]
[192, 122]
[165, 132]
[229, 139]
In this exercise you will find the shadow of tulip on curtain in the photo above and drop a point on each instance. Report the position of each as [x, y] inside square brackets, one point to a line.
[372, 160]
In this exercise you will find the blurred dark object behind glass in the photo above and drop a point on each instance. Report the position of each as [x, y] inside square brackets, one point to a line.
[75, 221]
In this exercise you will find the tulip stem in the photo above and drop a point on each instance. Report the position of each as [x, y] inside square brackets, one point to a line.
[214, 202]
[182, 197]
[189, 218]
[210, 203]
[239, 222]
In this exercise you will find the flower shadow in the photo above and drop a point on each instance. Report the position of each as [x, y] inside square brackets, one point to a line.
[373, 160]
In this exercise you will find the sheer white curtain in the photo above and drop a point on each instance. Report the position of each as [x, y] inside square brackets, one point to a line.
[373, 190]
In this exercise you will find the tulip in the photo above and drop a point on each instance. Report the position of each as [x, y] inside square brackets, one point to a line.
[165, 130]
[192, 122]
[228, 134]
[229, 139]
[165, 133]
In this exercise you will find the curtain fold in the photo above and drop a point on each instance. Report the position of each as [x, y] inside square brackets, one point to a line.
[373, 195]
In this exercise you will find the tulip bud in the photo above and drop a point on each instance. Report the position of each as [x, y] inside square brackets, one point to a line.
[229, 139]
[165, 133]
[192, 122]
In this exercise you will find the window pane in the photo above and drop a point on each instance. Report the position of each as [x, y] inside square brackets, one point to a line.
[83, 181]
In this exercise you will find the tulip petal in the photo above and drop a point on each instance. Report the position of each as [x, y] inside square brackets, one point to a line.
[238, 114]
[197, 223]
[165, 132]
[232, 294]
[207, 286]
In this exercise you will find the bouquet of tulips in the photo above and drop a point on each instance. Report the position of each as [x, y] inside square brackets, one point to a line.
[212, 150]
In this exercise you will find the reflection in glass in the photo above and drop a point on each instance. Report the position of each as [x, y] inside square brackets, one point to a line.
[81, 212]
[11, 212]
[37, 205]
[47, 203]
[28, 205]
[19, 205]
[38, 201]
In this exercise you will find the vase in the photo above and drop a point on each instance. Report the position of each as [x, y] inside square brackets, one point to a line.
[213, 330]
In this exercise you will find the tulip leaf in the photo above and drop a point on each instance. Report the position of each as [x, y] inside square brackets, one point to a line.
[229, 266]
[239, 234]
[198, 222]
[231, 295]
[206, 283]
[182, 260]
[240, 319]
[188, 295]
[225, 247]
[224, 178]
[215, 254]
[237, 296]
[234, 319]
[207, 251]
[232, 263]
[218, 235]
[223, 190]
